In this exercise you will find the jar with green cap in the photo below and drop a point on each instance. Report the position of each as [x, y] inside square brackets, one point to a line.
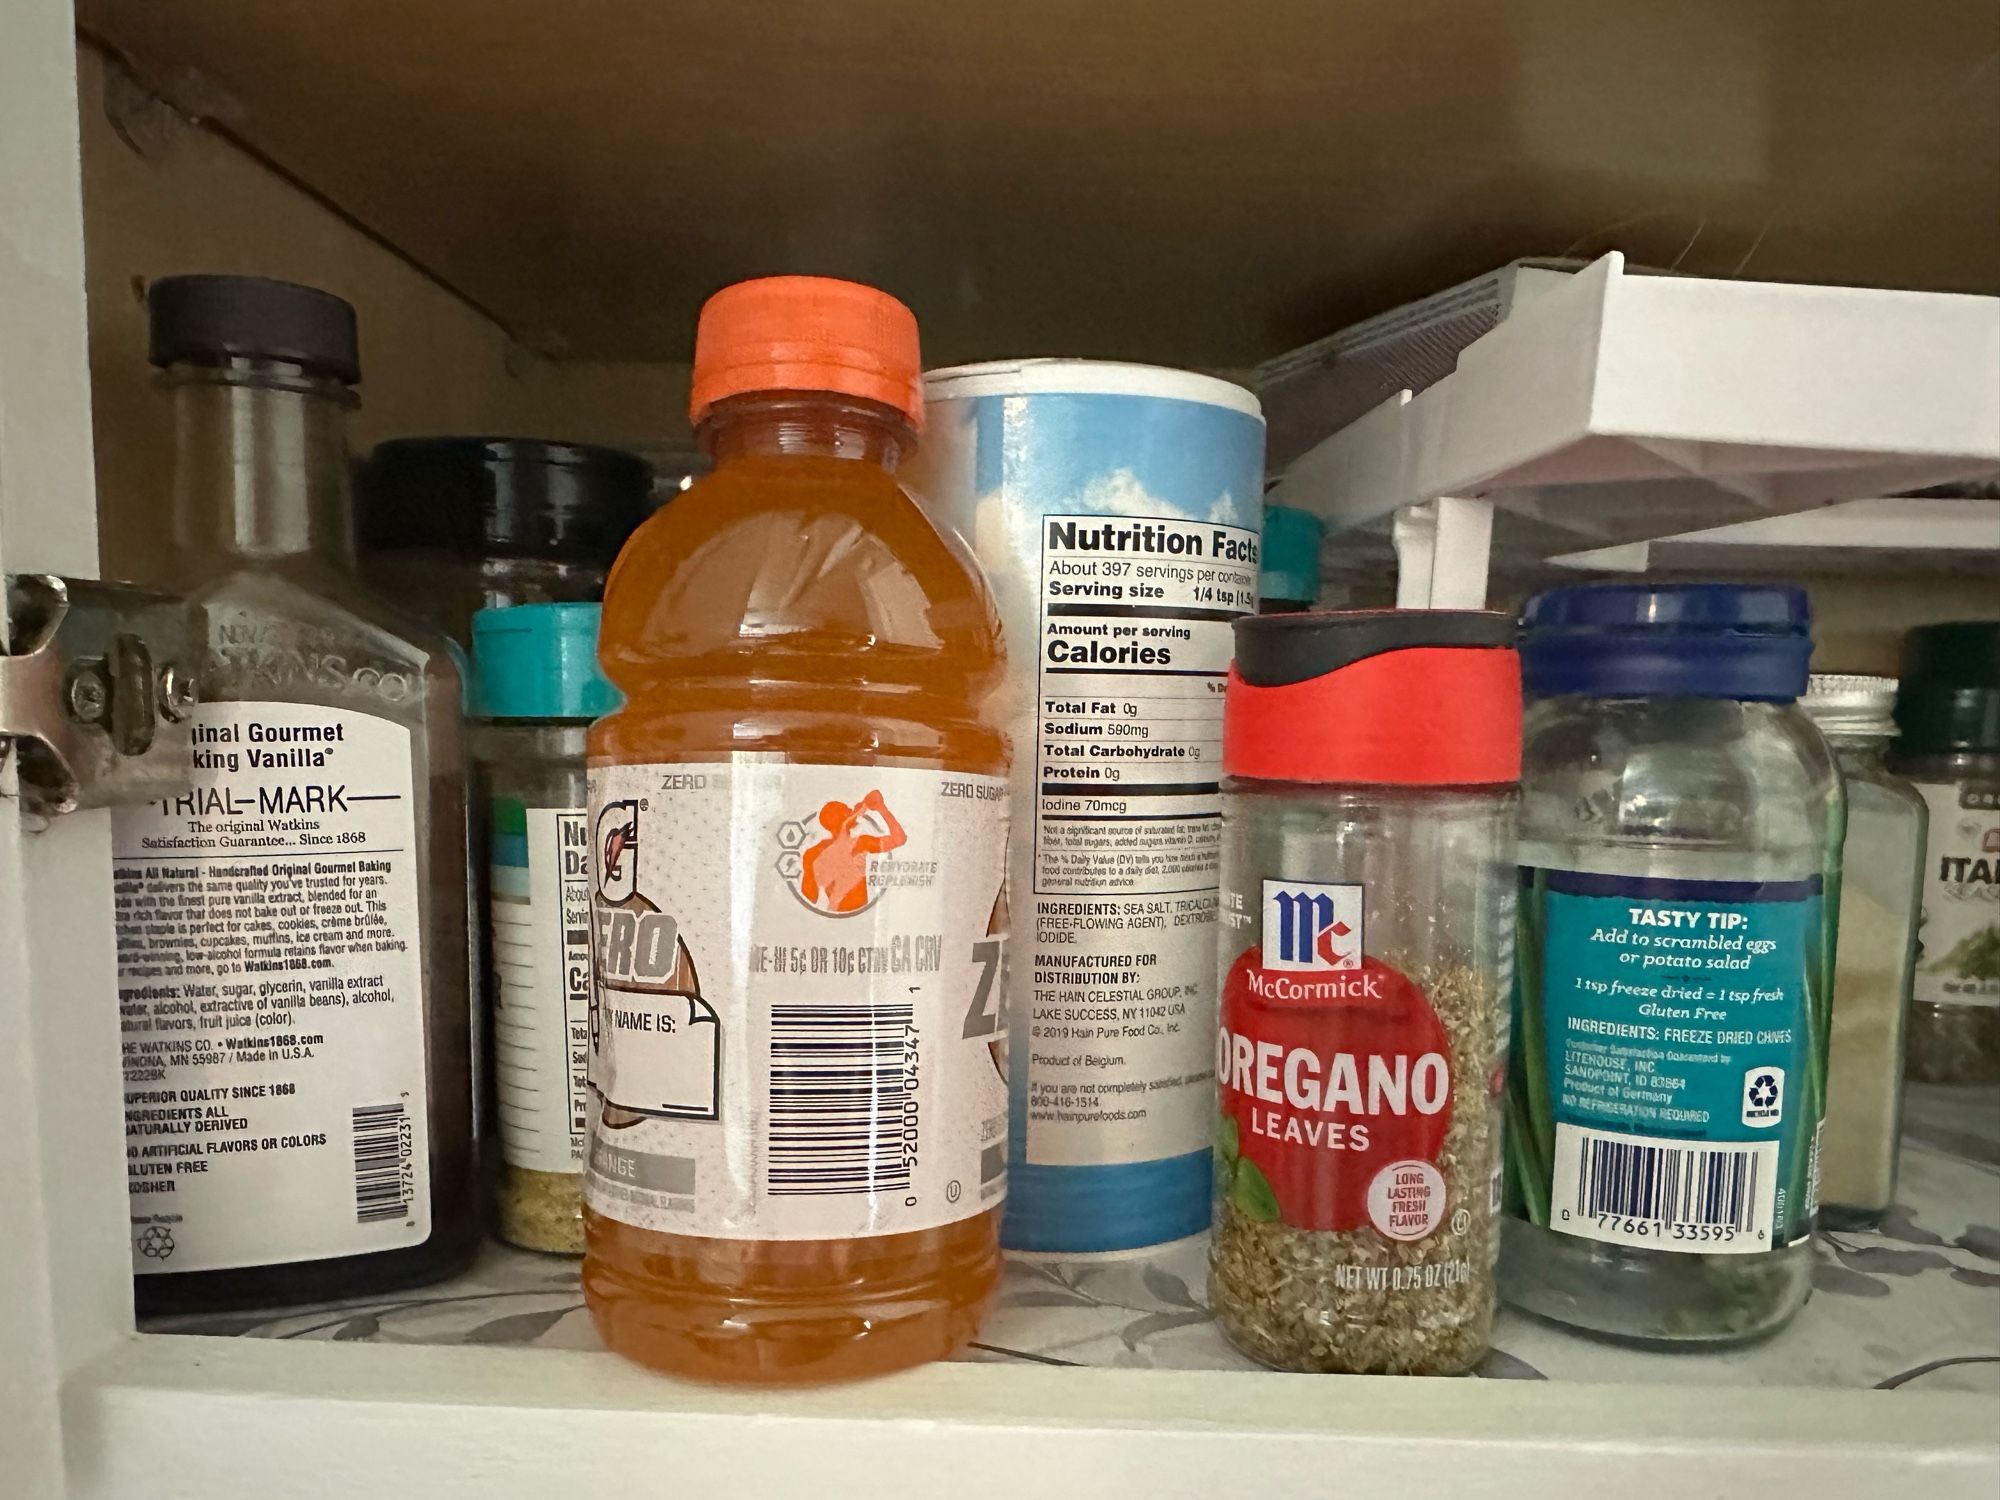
[536, 689]
[1948, 745]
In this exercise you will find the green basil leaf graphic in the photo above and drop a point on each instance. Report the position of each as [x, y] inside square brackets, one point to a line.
[1251, 1192]
[1226, 1137]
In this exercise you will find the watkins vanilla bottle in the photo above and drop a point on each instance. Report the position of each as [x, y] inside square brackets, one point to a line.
[293, 967]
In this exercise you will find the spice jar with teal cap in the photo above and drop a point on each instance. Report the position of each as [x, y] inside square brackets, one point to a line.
[536, 688]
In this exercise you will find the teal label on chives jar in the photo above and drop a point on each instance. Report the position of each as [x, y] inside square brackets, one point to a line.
[1669, 1062]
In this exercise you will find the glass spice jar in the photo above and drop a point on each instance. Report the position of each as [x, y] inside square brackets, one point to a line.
[1948, 718]
[1680, 816]
[1881, 874]
[536, 689]
[1368, 919]
[450, 525]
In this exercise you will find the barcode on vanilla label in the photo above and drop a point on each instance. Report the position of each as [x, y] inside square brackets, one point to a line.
[382, 1172]
[1644, 1191]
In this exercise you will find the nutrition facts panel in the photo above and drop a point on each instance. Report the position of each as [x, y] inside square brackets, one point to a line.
[1134, 652]
[1133, 644]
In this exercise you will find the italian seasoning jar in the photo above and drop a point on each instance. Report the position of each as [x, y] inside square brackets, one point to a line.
[1881, 871]
[1680, 819]
[1948, 717]
[536, 690]
[1367, 893]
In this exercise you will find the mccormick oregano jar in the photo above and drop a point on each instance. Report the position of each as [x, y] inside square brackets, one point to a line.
[1680, 819]
[1367, 935]
[1948, 744]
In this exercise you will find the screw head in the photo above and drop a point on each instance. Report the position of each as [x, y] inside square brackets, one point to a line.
[87, 696]
[177, 692]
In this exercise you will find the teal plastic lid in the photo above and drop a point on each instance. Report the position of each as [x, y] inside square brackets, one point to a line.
[538, 661]
[1290, 560]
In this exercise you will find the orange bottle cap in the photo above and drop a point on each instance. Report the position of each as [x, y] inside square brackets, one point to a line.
[807, 333]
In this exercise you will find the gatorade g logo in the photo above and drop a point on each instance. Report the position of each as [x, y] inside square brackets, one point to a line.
[655, 1043]
[1311, 926]
[618, 851]
[828, 861]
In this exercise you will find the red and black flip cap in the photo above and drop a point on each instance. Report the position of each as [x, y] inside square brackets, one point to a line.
[1395, 697]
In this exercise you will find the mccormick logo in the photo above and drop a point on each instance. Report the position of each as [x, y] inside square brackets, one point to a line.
[1311, 926]
[829, 861]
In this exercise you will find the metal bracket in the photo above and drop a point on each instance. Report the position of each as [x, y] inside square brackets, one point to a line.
[96, 694]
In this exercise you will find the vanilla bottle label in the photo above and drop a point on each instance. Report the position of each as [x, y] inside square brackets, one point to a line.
[270, 996]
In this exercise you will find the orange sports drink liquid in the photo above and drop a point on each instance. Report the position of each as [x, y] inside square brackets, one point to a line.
[798, 829]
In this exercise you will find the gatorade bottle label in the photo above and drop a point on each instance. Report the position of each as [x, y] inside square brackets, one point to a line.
[797, 1030]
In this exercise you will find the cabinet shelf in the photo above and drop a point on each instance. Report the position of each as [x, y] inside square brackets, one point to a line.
[1619, 408]
[1908, 534]
[1896, 1358]
[527, 197]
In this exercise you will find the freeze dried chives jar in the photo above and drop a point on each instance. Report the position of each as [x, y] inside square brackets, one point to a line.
[536, 690]
[1367, 932]
[1680, 819]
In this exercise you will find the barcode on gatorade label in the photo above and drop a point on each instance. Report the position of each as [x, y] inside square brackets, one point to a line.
[1631, 1190]
[381, 1185]
[844, 1114]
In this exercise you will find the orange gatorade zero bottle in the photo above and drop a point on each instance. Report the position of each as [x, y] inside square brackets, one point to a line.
[796, 1050]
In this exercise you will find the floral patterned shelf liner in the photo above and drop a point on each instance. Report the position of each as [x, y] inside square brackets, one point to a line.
[1915, 1303]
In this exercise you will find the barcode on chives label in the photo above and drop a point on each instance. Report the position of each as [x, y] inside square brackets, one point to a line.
[382, 1170]
[1716, 1197]
[844, 1099]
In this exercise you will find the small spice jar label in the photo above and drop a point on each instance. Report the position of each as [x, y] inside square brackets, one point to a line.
[1335, 1075]
[1670, 1068]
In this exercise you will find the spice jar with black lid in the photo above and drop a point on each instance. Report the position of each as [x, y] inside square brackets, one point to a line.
[1368, 883]
[451, 525]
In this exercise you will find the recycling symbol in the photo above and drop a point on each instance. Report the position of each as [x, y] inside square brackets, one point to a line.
[156, 1242]
[1763, 1091]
